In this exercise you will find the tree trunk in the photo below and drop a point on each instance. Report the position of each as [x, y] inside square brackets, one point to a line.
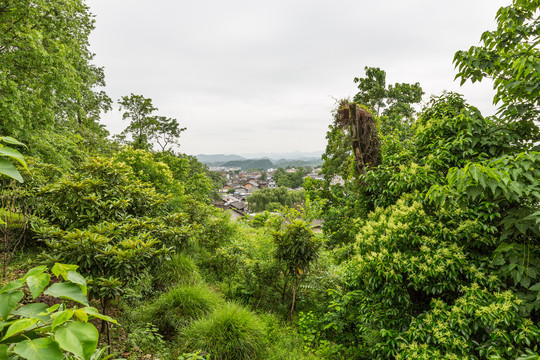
[295, 285]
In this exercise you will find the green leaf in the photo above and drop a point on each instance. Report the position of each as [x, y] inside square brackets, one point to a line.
[32, 310]
[35, 271]
[78, 338]
[95, 313]
[38, 283]
[67, 291]
[39, 349]
[19, 326]
[8, 301]
[77, 278]
[62, 317]
[10, 140]
[81, 315]
[12, 153]
[13, 285]
[62, 269]
[535, 287]
[8, 169]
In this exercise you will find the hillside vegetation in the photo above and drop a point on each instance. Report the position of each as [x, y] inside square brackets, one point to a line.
[429, 249]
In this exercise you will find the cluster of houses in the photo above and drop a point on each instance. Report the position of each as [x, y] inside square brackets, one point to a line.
[240, 186]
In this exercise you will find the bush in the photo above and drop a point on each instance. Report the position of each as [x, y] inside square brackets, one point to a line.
[229, 333]
[180, 305]
[180, 270]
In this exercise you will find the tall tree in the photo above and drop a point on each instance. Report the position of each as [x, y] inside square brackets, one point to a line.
[139, 110]
[166, 132]
[145, 127]
[395, 99]
[509, 56]
[47, 79]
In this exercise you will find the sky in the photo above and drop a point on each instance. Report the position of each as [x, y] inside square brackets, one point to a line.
[248, 76]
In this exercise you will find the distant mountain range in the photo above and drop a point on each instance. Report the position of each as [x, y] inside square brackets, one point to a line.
[263, 161]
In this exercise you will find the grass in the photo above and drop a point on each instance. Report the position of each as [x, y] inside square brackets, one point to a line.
[180, 270]
[228, 333]
[180, 305]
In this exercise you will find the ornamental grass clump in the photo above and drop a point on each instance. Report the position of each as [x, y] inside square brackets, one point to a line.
[180, 270]
[179, 306]
[229, 333]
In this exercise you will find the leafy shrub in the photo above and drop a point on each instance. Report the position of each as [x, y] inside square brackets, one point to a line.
[102, 190]
[34, 330]
[228, 333]
[180, 305]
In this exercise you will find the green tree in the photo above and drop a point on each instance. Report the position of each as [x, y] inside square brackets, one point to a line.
[297, 248]
[145, 127]
[397, 99]
[139, 110]
[509, 56]
[46, 72]
[166, 132]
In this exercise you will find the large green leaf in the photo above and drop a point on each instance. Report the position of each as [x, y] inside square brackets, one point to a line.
[38, 283]
[8, 169]
[39, 349]
[10, 140]
[62, 269]
[12, 285]
[95, 313]
[8, 301]
[67, 291]
[77, 278]
[33, 310]
[78, 338]
[19, 326]
[35, 271]
[62, 317]
[12, 153]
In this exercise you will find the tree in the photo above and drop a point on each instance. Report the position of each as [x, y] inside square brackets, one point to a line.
[509, 56]
[297, 248]
[397, 99]
[146, 127]
[46, 72]
[166, 131]
[139, 109]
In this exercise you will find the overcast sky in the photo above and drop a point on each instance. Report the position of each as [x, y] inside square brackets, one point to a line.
[250, 76]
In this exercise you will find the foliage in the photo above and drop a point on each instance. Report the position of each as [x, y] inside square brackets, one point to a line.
[268, 199]
[46, 74]
[230, 332]
[139, 109]
[7, 167]
[145, 127]
[296, 249]
[396, 101]
[102, 190]
[290, 180]
[179, 270]
[192, 175]
[33, 330]
[146, 168]
[509, 56]
[180, 305]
